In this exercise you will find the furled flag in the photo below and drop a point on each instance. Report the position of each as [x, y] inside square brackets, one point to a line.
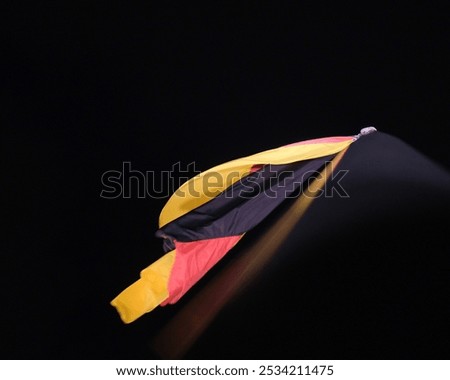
[211, 212]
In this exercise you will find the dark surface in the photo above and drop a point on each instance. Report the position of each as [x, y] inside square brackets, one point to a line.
[359, 277]
[90, 86]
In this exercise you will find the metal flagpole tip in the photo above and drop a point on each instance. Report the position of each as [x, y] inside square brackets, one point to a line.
[365, 131]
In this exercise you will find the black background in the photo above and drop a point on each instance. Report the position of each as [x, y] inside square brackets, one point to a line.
[90, 85]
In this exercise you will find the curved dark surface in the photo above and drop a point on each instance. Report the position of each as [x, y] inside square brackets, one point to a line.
[360, 277]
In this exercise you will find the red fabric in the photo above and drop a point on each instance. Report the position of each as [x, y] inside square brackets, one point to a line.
[256, 167]
[193, 260]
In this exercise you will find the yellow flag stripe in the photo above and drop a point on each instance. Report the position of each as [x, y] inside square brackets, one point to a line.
[146, 293]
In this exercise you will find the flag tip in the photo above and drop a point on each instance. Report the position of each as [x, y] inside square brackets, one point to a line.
[365, 131]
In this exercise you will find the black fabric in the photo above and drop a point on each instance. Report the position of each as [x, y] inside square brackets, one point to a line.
[243, 205]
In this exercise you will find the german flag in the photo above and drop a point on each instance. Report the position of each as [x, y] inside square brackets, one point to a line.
[211, 212]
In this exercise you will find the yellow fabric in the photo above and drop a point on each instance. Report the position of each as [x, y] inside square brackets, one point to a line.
[204, 187]
[193, 193]
[146, 293]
